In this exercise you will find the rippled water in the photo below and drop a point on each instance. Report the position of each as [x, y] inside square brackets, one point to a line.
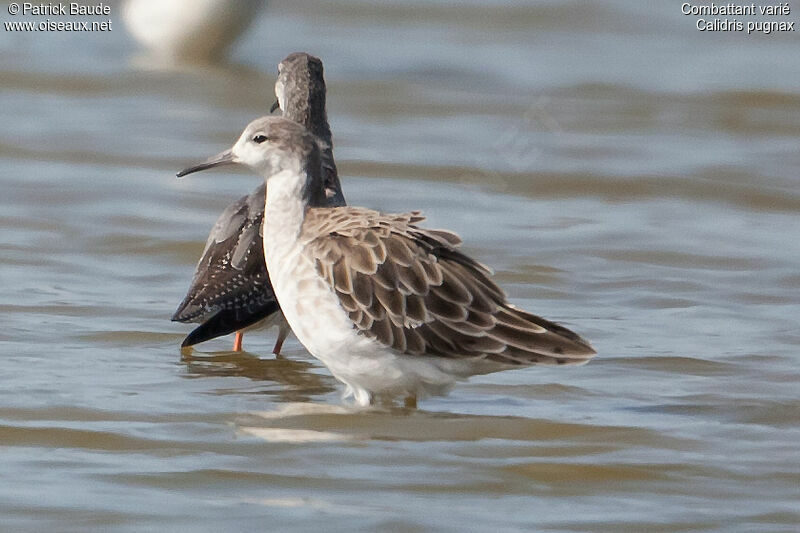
[624, 173]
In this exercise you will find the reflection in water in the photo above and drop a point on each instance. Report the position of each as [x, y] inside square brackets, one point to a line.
[294, 435]
[296, 379]
[403, 424]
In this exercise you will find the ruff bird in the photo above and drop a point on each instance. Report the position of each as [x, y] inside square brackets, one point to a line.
[230, 290]
[391, 308]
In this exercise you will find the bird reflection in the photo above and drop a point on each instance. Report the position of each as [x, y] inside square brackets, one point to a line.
[297, 381]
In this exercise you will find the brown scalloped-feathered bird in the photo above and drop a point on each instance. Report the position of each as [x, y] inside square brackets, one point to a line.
[391, 308]
[230, 290]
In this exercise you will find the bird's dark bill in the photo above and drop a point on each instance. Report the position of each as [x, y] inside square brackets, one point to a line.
[223, 158]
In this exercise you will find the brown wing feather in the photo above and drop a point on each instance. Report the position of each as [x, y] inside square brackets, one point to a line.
[411, 289]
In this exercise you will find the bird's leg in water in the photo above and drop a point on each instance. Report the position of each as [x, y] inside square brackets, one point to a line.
[282, 333]
[279, 343]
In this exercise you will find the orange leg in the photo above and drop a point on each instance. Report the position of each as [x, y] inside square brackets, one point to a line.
[237, 343]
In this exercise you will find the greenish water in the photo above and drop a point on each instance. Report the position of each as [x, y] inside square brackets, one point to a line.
[624, 174]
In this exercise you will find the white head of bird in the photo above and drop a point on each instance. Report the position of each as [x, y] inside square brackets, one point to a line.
[277, 149]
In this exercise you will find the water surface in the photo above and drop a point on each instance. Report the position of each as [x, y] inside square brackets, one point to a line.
[624, 174]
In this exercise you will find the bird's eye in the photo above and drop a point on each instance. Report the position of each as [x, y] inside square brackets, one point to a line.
[258, 139]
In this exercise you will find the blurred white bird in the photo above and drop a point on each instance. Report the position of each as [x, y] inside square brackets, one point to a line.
[189, 29]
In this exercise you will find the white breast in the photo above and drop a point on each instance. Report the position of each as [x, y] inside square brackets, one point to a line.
[365, 366]
[318, 321]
